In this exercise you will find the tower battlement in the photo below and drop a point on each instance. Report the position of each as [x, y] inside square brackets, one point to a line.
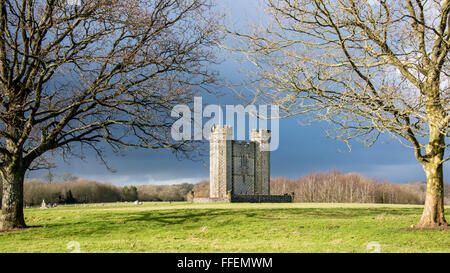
[261, 136]
[221, 133]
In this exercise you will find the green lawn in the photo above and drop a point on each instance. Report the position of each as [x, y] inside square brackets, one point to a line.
[183, 227]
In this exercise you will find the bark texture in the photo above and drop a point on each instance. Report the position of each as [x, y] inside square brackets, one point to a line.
[433, 214]
[12, 201]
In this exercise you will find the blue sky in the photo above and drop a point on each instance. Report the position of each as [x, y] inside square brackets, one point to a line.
[302, 150]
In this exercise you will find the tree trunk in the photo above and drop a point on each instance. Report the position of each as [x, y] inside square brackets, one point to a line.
[12, 201]
[433, 213]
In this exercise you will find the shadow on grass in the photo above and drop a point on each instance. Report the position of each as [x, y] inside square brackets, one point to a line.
[175, 217]
[124, 222]
[19, 229]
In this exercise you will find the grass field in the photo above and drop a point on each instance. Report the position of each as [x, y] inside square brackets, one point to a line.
[184, 227]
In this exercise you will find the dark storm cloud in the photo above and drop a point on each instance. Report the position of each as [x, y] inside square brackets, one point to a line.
[302, 150]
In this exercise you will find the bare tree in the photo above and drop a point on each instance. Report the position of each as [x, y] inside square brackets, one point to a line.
[66, 177]
[49, 177]
[82, 74]
[367, 67]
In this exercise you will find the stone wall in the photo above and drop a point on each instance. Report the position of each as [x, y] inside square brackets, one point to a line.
[248, 199]
[208, 200]
[243, 171]
[261, 198]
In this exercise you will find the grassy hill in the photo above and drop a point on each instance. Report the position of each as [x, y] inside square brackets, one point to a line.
[184, 227]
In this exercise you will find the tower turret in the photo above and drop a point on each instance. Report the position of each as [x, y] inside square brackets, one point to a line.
[220, 177]
[262, 160]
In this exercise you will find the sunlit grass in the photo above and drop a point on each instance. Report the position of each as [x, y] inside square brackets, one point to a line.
[184, 227]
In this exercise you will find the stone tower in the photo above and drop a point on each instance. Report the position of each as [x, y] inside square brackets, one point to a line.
[220, 140]
[239, 168]
[261, 139]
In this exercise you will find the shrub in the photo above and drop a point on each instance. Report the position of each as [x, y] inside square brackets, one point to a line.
[164, 192]
[80, 190]
[201, 189]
